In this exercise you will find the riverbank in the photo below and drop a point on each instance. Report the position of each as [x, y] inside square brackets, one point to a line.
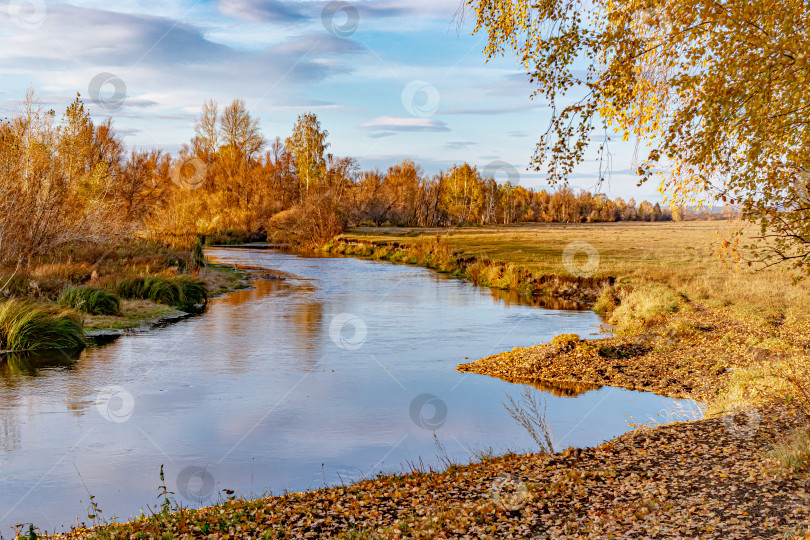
[99, 291]
[699, 354]
[144, 314]
[436, 253]
[684, 480]
[681, 259]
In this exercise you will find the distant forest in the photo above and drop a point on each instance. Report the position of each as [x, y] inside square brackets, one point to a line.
[65, 178]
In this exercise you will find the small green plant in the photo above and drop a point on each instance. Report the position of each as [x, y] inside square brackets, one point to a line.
[198, 254]
[163, 494]
[31, 534]
[25, 326]
[93, 509]
[90, 300]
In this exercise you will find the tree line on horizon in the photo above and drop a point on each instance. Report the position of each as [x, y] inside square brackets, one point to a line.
[68, 179]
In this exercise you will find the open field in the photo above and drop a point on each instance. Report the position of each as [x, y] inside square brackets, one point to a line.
[680, 255]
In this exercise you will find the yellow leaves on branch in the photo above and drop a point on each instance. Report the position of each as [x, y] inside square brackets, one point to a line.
[715, 89]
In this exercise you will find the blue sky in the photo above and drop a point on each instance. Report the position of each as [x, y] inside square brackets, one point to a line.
[389, 79]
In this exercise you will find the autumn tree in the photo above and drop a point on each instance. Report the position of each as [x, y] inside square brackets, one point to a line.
[57, 179]
[400, 188]
[715, 93]
[240, 132]
[206, 131]
[279, 169]
[308, 145]
[460, 193]
[142, 185]
[367, 200]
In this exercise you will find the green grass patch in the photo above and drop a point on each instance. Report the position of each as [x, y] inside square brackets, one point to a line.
[25, 326]
[90, 300]
[181, 292]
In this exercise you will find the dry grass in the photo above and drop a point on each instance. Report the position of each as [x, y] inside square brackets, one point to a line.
[642, 306]
[680, 256]
[794, 452]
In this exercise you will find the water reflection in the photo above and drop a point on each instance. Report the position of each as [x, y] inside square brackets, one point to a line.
[15, 364]
[560, 388]
[512, 298]
[16, 369]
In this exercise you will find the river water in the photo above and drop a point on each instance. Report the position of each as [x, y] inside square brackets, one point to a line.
[340, 371]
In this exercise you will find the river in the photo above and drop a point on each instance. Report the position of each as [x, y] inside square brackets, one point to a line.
[340, 371]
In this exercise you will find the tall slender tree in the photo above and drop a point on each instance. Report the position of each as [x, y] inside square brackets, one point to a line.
[308, 145]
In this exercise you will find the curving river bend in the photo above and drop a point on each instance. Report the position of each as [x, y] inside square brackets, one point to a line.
[342, 370]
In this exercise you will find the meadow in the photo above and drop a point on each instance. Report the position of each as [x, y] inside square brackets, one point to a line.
[685, 257]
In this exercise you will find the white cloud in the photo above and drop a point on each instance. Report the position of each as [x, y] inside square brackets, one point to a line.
[394, 123]
[262, 10]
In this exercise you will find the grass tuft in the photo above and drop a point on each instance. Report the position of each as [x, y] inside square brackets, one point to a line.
[607, 302]
[644, 306]
[794, 452]
[181, 292]
[25, 326]
[90, 300]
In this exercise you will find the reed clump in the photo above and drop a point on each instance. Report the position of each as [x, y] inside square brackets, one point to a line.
[90, 300]
[181, 292]
[26, 326]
